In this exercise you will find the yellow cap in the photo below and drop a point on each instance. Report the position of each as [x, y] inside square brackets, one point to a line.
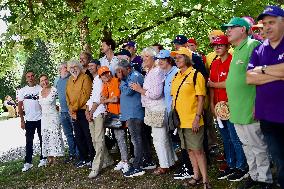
[216, 33]
[182, 50]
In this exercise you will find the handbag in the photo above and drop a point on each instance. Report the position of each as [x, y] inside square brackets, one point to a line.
[154, 117]
[173, 119]
[112, 121]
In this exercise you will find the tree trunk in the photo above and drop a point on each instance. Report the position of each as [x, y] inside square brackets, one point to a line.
[84, 33]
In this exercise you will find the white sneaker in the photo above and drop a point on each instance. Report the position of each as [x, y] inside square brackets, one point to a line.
[93, 174]
[119, 166]
[42, 162]
[125, 167]
[27, 166]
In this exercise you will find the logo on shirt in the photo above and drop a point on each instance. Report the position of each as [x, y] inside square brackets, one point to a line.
[239, 62]
[281, 56]
[31, 96]
[223, 74]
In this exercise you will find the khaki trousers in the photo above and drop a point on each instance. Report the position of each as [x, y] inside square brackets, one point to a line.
[102, 157]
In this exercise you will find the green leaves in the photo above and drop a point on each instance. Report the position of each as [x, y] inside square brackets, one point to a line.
[57, 22]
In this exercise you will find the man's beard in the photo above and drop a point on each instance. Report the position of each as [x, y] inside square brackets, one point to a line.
[74, 73]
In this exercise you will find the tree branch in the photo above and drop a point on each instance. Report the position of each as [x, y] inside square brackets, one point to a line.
[167, 19]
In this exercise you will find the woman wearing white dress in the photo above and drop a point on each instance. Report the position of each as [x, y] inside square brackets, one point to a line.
[52, 142]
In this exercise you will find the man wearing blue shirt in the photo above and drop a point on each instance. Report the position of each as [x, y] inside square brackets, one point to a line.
[133, 113]
[65, 118]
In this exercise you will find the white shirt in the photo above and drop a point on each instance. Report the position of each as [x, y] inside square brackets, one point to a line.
[96, 97]
[29, 96]
[111, 65]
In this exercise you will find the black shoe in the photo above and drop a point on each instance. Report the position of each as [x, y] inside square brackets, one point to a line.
[264, 185]
[226, 173]
[149, 165]
[183, 173]
[238, 175]
[69, 159]
[249, 183]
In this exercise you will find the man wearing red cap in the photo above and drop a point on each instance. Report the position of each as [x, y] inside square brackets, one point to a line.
[192, 45]
[235, 156]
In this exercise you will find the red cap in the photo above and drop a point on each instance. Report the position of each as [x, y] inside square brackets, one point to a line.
[191, 40]
[221, 40]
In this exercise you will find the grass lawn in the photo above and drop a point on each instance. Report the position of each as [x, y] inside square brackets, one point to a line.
[67, 176]
[4, 116]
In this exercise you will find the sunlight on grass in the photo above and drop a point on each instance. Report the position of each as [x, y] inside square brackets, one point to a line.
[2, 168]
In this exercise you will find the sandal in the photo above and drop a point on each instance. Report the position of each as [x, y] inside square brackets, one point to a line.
[207, 185]
[160, 171]
[193, 182]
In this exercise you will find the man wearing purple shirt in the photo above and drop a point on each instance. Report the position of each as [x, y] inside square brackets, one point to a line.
[266, 71]
[136, 61]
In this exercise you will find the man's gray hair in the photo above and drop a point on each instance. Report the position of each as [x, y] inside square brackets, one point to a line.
[71, 63]
[61, 65]
[123, 64]
[280, 18]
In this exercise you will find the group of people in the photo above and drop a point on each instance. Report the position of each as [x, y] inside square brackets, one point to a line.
[240, 84]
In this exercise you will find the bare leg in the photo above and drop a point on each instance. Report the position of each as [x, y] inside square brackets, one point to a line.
[202, 164]
[194, 162]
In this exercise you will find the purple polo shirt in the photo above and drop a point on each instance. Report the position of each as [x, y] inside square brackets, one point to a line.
[269, 102]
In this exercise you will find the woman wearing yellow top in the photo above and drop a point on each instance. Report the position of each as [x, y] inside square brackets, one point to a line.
[189, 105]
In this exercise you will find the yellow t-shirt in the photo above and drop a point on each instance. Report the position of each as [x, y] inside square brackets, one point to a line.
[186, 104]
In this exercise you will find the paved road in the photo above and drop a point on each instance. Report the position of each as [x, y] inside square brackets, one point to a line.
[11, 135]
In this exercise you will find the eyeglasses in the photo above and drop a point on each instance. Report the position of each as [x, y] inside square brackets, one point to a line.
[232, 27]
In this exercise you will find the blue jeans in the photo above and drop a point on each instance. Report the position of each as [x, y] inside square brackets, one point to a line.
[66, 123]
[235, 156]
[273, 135]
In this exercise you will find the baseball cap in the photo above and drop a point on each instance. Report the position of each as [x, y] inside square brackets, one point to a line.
[180, 39]
[220, 40]
[124, 52]
[271, 11]
[236, 21]
[95, 61]
[191, 40]
[182, 50]
[216, 33]
[129, 43]
[102, 70]
[163, 54]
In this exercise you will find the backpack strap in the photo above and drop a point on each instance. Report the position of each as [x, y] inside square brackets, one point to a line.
[195, 77]
[179, 88]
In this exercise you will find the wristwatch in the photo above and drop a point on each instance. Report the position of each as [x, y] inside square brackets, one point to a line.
[263, 68]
